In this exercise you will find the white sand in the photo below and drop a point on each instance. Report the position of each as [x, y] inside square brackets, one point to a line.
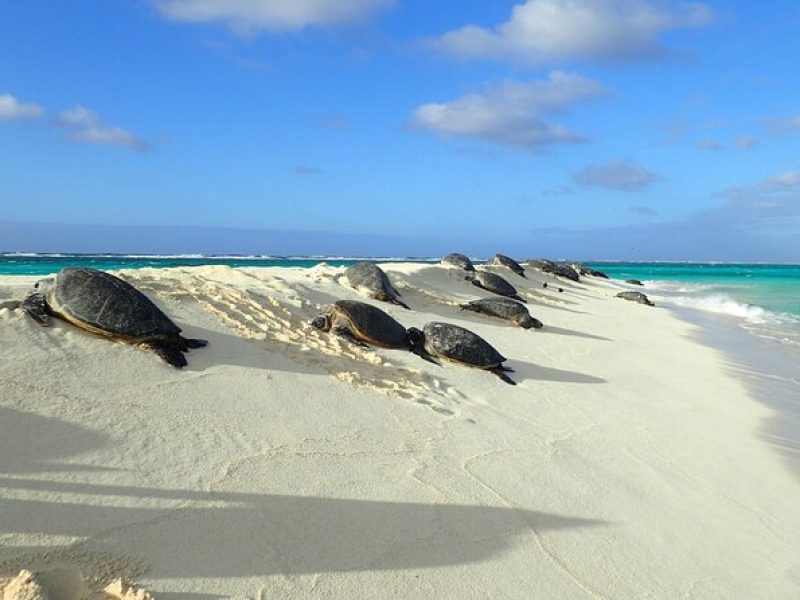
[285, 462]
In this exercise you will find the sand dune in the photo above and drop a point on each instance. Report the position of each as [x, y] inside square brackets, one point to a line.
[284, 461]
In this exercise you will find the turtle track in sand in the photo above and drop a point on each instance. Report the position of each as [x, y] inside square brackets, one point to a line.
[281, 321]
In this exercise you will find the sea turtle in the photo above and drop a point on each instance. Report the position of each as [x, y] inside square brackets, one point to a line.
[362, 324]
[459, 260]
[506, 261]
[371, 278]
[633, 282]
[636, 297]
[504, 308]
[106, 305]
[454, 343]
[495, 284]
[548, 266]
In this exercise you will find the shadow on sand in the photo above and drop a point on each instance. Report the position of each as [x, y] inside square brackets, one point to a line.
[185, 533]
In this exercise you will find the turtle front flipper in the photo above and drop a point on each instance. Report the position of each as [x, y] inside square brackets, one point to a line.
[520, 299]
[500, 372]
[168, 352]
[347, 334]
[36, 306]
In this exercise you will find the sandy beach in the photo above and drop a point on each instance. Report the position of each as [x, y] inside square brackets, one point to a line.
[286, 462]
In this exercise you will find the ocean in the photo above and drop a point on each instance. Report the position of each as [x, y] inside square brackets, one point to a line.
[764, 299]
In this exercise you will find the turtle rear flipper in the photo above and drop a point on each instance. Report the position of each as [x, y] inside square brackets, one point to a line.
[400, 303]
[195, 343]
[500, 372]
[168, 352]
[36, 306]
[520, 299]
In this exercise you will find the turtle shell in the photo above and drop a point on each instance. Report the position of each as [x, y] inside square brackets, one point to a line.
[507, 261]
[108, 304]
[371, 324]
[461, 345]
[495, 283]
[459, 260]
[505, 308]
[370, 276]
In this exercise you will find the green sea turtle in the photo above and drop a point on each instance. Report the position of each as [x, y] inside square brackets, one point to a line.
[106, 305]
[458, 260]
[633, 282]
[548, 266]
[636, 297]
[495, 284]
[362, 324]
[506, 261]
[456, 344]
[371, 278]
[504, 308]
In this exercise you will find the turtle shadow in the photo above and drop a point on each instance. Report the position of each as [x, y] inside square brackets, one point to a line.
[529, 371]
[573, 333]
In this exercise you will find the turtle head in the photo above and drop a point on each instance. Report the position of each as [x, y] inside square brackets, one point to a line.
[44, 286]
[322, 322]
[416, 344]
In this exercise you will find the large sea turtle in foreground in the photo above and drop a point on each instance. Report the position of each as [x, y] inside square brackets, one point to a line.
[370, 277]
[456, 344]
[103, 304]
[504, 308]
[458, 260]
[495, 284]
[636, 297]
[362, 324]
[506, 261]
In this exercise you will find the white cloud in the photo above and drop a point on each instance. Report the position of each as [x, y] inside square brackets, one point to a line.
[707, 145]
[541, 31]
[782, 125]
[307, 170]
[616, 175]
[12, 109]
[745, 142]
[246, 17]
[511, 113]
[83, 126]
[787, 182]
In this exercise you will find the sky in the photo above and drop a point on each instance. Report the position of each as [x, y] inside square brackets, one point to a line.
[596, 129]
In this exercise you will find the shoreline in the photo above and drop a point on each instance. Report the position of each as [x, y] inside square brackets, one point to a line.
[627, 462]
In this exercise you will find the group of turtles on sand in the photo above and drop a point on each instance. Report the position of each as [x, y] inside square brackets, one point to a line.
[106, 305]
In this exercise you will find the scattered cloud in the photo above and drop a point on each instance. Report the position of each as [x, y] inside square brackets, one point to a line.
[644, 210]
[512, 113]
[616, 175]
[707, 145]
[745, 142]
[249, 17]
[83, 126]
[307, 170]
[784, 183]
[12, 109]
[780, 125]
[544, 31]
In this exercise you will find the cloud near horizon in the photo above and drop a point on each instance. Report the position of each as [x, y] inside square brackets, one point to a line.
[512, 113]
[83, 126]
[618, 175]
[12, 109]
[249, 17]
[546, 31]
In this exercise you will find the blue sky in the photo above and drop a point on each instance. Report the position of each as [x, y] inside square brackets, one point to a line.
[600, 128]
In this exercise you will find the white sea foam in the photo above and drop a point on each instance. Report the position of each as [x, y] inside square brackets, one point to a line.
[724, 304]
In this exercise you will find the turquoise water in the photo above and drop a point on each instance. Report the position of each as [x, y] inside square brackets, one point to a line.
[775, 288]
[765, 298]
